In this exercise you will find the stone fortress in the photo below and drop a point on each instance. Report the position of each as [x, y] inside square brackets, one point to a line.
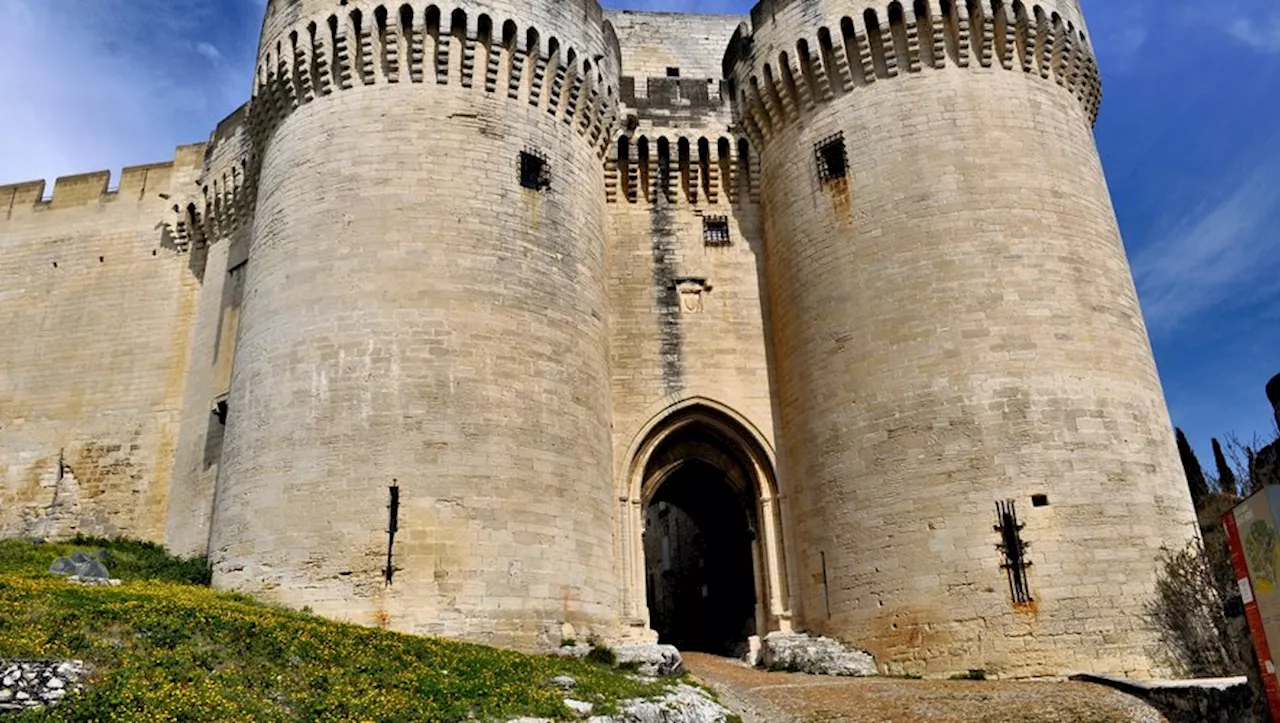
[513, 322]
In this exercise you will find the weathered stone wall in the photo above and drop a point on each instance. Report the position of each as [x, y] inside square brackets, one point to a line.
[413, 314]
[96, 296]
[223, 223]
[652, 43]
[687, 311]
[956, 325]
[686, 292]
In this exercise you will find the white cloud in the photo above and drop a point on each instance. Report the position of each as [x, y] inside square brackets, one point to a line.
[1258, 33]
[1254, 24]
[208, 51]
[1219, 256]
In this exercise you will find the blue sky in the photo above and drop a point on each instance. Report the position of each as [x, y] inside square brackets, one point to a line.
[1188, 134]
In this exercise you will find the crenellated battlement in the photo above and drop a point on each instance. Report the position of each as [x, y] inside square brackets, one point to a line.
[777, 77]
[767, 12]
[135, 184]
[694, 170]
[664, 93]
[368, 44]
[226, 195]
[283, 16]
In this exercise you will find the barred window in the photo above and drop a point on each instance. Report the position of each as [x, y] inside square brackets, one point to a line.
[715, 230]
[535, 171]
[832, 160]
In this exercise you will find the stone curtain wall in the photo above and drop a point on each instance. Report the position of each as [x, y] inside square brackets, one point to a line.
[955, 325]
[653, 42]
[97, 295]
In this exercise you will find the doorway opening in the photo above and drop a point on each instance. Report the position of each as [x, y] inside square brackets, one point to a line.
[701, 524]
[698, 561]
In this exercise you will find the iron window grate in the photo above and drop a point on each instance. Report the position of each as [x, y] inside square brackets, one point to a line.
[715, 230]
[1014, 550]
[535, 171]
[831, 157]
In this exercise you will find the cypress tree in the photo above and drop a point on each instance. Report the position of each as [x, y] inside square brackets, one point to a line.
[1195, 475]
[1226, 478]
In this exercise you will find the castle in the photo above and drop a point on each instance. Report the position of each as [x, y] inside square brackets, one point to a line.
[514, 322]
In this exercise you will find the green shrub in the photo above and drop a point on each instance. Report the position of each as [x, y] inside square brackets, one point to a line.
[125, 559]
[147, 560]
[604, 655]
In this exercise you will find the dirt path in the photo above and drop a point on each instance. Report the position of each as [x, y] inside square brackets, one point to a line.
[762, 697]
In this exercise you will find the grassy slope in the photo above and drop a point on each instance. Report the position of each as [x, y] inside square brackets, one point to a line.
[169, 650]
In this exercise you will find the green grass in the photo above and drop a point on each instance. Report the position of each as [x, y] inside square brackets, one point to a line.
[125, 559]
[167, 650]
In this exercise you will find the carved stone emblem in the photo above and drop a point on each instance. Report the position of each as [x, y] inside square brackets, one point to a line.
[692, 291]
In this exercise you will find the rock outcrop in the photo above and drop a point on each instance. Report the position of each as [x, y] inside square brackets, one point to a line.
[814, 655]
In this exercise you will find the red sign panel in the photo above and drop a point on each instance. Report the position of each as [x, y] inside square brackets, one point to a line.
[1253, 613]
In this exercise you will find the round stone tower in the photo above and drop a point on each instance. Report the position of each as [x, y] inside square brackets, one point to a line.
[418, 424]
[973, 434]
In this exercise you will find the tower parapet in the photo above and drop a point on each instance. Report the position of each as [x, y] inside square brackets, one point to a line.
[972, 428]
[559, 57]
[794, 60]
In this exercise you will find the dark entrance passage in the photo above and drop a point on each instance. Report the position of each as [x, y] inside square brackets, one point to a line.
[698, 560]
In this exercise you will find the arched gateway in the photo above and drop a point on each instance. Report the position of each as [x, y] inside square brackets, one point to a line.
[702, 531]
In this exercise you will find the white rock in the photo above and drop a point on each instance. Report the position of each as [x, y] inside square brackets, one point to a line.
[652, 659]
[578, 650]
[567, 632]
[5, 695]
[752, 656]
[22, 695]
[684, 704]
[579, 707]
[55, 683]
[54, 694]
[563, 682]
[817, 656]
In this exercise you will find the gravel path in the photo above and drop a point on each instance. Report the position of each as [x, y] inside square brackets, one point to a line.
[762, 697]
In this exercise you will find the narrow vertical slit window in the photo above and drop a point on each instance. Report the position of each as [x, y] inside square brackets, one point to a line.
[1014, 550]
[393, 525]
